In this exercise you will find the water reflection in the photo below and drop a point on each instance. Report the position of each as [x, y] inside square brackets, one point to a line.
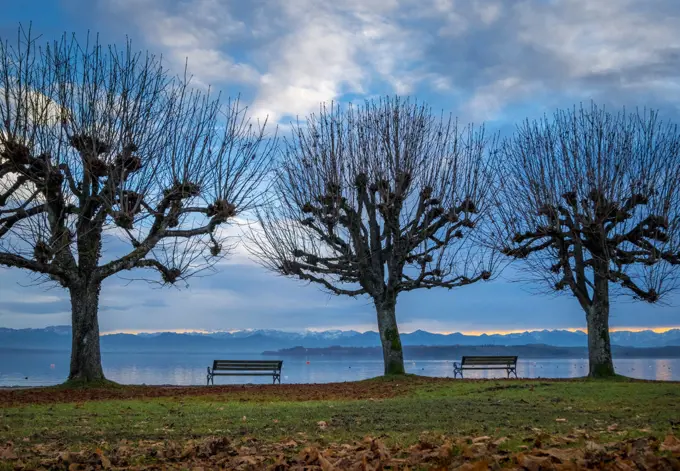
[32, 368]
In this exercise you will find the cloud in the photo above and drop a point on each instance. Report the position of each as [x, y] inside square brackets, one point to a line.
[329, 50]
[294, 54]
[21, 302]
[198, 30]
[556, 53]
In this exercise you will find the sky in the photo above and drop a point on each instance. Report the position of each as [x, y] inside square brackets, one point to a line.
[492, 61]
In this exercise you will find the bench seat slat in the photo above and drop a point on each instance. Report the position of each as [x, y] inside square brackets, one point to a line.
[468, 362]
[242, 374]
[243, 367]
[484, 368]
[246, 368]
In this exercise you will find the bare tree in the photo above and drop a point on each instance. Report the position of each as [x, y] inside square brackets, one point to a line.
[591, 201]
[108, 163]
[378, 200]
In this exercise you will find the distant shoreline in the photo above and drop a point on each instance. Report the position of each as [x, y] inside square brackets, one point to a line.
[452, 352]
[456, 351]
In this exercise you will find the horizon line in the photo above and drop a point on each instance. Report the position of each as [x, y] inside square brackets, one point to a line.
[657, 330]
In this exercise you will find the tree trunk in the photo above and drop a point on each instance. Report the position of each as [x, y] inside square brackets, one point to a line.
[393, 355]
[86, 363]
[599, 345]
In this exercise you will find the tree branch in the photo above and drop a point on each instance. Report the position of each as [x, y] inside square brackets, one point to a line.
[6, 223]
[294, 268]
[17, 261]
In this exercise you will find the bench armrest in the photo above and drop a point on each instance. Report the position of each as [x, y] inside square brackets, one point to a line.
[209, 370]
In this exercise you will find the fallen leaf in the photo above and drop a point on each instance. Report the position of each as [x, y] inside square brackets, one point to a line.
[8, 454]
[322, 424]
[243, 419]
[560, 420]
[325, 464]
[500, 441]
[594, 447]
[481, 465]
[445, 450]
[106, 463]
[481, 439]
[378, 448]
[671, 443]
[622, 466]
[532, 463]
[561, 455]
[309, 455]
[247, 460]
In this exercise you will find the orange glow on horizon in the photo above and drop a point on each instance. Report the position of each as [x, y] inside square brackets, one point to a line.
[658, 330]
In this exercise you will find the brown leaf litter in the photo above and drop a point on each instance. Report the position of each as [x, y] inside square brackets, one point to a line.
[371, 454]
[368, 390]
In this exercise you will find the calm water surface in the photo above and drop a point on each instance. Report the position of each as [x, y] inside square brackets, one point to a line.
[38, 368]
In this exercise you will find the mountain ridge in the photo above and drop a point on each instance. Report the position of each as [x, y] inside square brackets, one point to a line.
[259, 340]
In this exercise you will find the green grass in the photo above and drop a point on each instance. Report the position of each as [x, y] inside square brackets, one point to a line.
[496, 408]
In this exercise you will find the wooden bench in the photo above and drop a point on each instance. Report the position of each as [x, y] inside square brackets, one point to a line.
[509, 364]
[245, 368]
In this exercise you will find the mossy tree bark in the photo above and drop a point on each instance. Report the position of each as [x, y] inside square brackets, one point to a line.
[86, 363]
[600, 360]
[393, 354]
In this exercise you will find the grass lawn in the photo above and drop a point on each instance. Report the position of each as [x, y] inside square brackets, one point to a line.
[400, 412]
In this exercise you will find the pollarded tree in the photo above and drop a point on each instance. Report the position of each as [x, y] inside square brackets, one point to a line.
[378, 200]
[591, 201]
[107, 164]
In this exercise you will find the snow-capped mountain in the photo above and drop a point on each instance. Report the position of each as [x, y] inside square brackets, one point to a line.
[256, 341]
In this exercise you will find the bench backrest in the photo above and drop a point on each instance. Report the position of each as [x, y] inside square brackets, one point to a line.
[247, 365]
[488, 360]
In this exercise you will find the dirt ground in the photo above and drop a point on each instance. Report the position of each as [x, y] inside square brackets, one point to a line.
[280, 392]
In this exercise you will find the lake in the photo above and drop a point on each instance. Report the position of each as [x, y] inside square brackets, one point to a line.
[41, 368]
